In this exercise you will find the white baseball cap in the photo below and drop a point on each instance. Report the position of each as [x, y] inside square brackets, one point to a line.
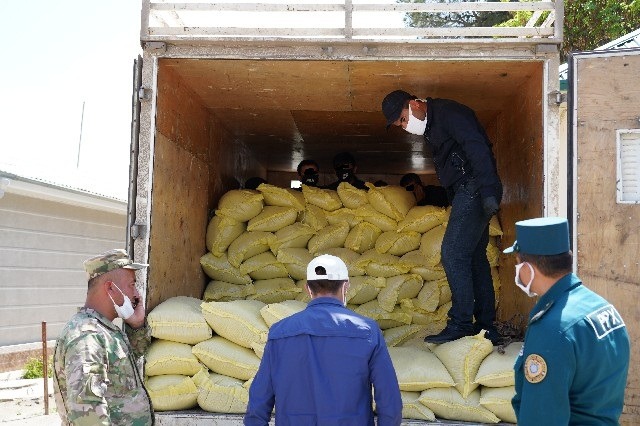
[327, 267]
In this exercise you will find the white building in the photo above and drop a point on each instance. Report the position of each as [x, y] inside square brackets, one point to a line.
[46, 231]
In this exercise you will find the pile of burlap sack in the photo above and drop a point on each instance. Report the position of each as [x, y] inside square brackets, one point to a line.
[206, 352]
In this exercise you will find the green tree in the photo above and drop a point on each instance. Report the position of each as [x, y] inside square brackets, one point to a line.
[587, 23]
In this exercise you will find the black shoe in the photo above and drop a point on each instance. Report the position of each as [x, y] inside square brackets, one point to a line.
[450, 333]
[491, 333]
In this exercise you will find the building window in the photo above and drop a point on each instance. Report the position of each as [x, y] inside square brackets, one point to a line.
[628, 158]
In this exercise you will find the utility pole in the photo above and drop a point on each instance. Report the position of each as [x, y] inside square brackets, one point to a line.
[80, 141]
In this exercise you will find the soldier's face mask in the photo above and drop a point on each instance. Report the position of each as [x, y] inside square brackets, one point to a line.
[526, 288]
[311, 177]
[344, 172]
[415, 126]
[126, 310]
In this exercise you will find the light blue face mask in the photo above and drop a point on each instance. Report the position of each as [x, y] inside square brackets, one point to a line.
[525, 287]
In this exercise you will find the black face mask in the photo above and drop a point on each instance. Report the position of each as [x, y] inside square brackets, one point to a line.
[310, 177]
[410, 187]
[344, 173]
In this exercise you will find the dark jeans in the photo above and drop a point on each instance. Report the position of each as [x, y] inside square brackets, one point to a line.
[464, 258]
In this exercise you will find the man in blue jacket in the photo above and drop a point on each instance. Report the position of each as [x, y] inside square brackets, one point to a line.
[572, 369]
[466, 168]
[319, 365]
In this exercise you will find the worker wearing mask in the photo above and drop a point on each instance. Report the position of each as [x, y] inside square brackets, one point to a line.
[345, 166]
[309, 173]
[466, 168]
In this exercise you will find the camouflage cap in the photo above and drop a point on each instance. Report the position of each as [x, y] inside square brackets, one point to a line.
[110, 261]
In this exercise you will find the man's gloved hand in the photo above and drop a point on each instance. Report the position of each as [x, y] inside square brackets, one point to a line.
[490, 205]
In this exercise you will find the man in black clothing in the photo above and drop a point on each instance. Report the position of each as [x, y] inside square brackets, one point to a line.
[309, 173]
[429, 195]
[466, 168]
[345, 166]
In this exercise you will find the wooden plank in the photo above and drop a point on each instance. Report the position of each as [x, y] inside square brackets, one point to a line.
[608, 234]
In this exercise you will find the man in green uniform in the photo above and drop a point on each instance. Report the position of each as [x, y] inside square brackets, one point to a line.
[96, 380]
[572, 369]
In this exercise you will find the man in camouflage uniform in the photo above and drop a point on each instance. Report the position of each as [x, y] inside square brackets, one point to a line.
[96, 379]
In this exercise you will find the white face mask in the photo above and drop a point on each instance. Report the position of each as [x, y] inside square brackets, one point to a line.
[126, 310]
[344, 295]
[526, 288]
[415, 126]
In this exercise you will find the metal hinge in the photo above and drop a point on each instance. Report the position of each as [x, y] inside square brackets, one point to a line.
[557, 97]
[144, 94]
[138, 231]
[156, 45]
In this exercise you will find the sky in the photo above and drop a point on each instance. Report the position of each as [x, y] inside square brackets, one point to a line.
[58, 55]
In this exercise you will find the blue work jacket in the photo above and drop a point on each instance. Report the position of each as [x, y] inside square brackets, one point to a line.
[318, 368]
[572, 369]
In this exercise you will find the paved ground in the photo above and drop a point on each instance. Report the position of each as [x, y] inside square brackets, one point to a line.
[22, 401]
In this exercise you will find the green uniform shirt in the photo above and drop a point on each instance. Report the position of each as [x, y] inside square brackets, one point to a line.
[572, 369]
[96, 380]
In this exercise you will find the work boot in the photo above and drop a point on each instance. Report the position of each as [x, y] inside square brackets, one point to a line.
[449, 334]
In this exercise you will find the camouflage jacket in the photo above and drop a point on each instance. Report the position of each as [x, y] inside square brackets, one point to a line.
[96, 379]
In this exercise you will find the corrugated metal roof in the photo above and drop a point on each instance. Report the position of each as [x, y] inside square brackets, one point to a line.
[72, 183]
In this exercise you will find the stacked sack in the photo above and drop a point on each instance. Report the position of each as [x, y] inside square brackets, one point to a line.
[206, 354]
[259, 244]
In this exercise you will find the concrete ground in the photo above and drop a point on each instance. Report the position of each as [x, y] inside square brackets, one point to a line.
[22, 401]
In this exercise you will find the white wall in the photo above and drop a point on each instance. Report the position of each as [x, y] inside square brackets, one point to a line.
[45, 234]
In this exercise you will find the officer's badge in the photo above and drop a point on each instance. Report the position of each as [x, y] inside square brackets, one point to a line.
[535, 368]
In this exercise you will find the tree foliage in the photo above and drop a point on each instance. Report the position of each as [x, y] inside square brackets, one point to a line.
[587, 23]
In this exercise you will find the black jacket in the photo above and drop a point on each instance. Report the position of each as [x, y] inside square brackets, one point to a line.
[461, 149]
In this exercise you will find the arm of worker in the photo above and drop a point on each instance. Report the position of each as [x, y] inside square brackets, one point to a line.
[86, 374]
[548, 364]
[472, 138]
[385, 386]
[261, 394]
[138, 331]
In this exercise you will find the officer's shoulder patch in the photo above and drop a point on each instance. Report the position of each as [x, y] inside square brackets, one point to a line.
[605, 320]
[535, 368]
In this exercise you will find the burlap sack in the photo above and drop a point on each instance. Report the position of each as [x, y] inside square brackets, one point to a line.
[220, 269]
[422, 219]
[166, 357]
[362, 237]
[248, 245]
[371, 215]
[498, 401]
[240, 204]
[349, 257]
[179, 319]
[399, 287]
[275, 290]
[496, 370]
[264, 266]
[398, 243]
[275, 312]
[221, 291]
[431, 244]
[315, 217]
[239, 321]
[282, 197]
[343, 215]
[418, 370]
[272, 219]
[447, 403]
[328, 237]
[171, 392]
[391, 200]
[221, 394]
[221, 232]
[225, 357]
[326, 199]
[384, 318]
[351, 196]
[295, 235]
[296, 261]
[462, 358]
[381, 265]
[398, 335]
[363, 289]
[412, 408]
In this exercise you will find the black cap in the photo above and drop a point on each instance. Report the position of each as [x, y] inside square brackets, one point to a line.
[393, 104]
[343, 158]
